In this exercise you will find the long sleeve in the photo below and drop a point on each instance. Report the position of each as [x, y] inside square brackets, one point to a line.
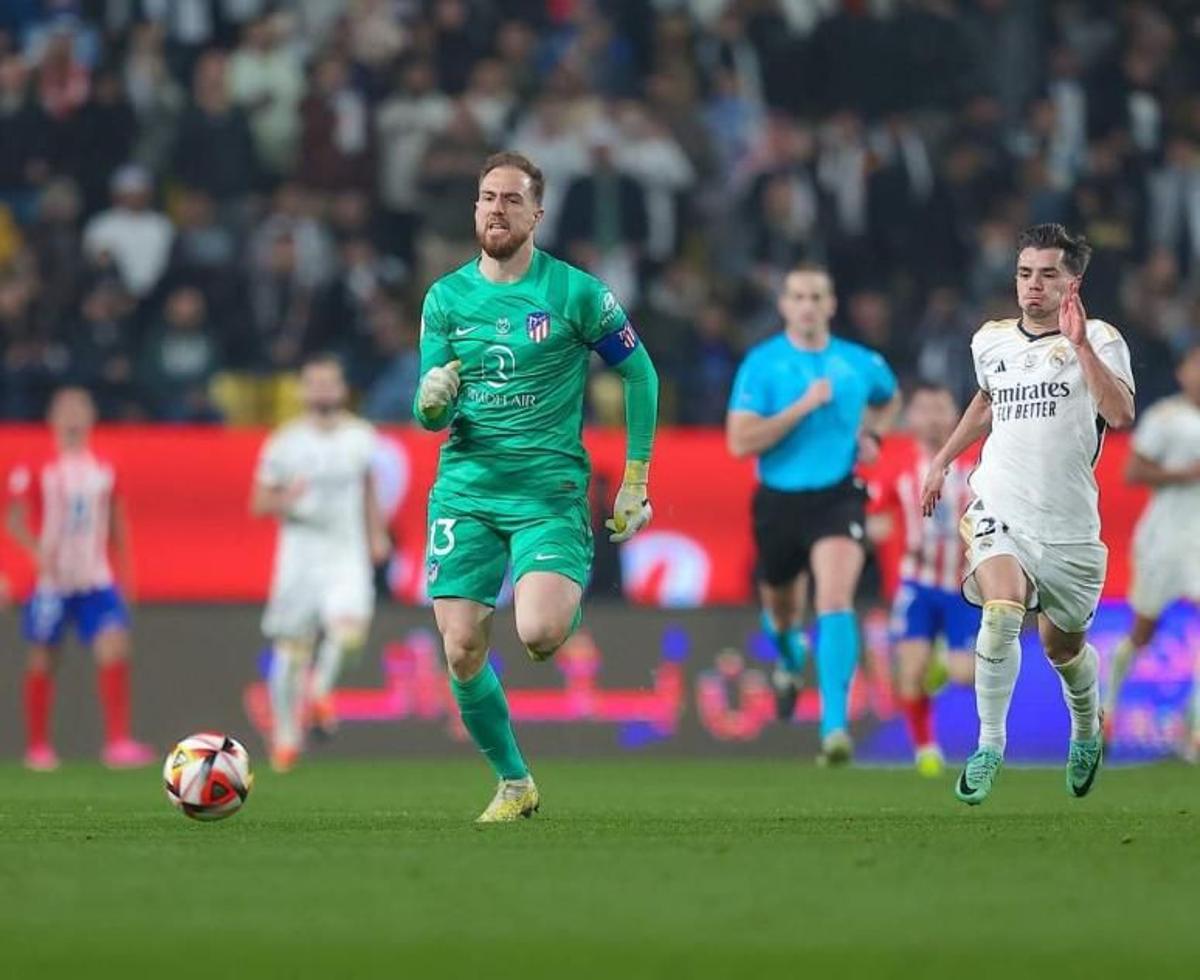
[641, 403]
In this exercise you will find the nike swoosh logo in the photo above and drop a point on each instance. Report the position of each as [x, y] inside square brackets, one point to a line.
[463, 331]
[546, 557]
[963, 786]
[1082, 788]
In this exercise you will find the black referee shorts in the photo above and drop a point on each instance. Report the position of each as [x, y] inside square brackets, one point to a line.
[788, 523]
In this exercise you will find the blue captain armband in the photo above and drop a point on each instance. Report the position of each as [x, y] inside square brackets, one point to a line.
[614, 347]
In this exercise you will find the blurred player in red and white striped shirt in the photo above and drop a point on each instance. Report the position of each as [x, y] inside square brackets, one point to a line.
[928, 603]
[71, 499]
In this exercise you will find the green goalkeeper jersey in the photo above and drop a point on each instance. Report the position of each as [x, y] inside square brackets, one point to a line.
[515, 428]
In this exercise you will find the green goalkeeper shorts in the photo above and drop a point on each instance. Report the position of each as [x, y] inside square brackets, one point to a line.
[469, 546]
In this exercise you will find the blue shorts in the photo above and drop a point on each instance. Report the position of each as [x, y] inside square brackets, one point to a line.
[921, 612]
[47, 614]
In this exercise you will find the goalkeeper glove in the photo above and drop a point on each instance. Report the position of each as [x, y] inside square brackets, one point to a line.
[438, 389]
[631, 510]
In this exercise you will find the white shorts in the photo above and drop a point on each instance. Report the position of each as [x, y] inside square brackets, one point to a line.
[306, 598]
[1065, 580]
[1166, 567]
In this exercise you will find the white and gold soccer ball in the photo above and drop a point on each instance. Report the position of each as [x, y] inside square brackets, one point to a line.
[207, 776]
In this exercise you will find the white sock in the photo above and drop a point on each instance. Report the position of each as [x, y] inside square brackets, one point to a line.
[1081, 691]
[287, 685]
[997, 663]
[327, 668]
[1123, 656]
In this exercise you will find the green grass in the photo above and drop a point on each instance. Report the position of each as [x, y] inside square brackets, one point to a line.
[633, 869]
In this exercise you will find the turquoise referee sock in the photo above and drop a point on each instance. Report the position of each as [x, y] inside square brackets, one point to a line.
[790, 644]
[837, 656]
[484, 711]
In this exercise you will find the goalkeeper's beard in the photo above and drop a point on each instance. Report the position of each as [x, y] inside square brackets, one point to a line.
[509, 247]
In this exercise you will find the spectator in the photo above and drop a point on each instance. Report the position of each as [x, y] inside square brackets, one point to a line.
[63, 81]
[33, 363]
[214, 151]
[711, 363]
[179, 359]
[337, 146]
[206, 254]
[516, 45]
[460, 30]
[490, 99]
[102, 349]
[943, 343]
[647, 152]
[54, 244]
[343, 320]
[406, 123]
[157, 99]
[266, 80]
[604, 224]
[101, 138]
[294, 212]
[390, 394]
[129, 235]
[24, 139]
[549, 134]
[449, 183]
[281, 309]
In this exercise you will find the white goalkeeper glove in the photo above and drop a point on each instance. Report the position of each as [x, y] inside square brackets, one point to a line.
[438, 388]
[631, 509]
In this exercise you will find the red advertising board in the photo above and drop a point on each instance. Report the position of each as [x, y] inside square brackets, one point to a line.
[187, 493]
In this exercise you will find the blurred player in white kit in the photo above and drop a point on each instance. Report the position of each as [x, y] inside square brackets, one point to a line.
[314, 476]
[1165, 456]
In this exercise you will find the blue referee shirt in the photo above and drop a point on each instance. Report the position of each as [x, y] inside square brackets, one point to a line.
[821, 450]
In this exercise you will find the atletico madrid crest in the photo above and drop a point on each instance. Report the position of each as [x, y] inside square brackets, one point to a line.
[537, 325]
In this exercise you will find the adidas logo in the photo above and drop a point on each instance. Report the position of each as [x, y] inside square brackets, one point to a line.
[1000, 368]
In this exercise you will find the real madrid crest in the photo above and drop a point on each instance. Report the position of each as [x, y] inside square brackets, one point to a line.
[1058, 356]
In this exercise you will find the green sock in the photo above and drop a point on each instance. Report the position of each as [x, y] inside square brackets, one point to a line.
[484, 711]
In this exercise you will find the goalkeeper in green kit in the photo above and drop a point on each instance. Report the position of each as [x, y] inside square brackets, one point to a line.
[505, 345]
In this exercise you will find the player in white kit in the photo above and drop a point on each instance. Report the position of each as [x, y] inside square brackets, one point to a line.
[1166, 544]
[314, 476]
[1050, 383]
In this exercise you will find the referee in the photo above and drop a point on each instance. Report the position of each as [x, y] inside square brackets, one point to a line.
[808, 405]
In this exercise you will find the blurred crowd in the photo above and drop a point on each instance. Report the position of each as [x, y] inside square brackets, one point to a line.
[196, 193]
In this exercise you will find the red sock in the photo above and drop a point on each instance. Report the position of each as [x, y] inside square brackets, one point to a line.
[920, 719]
[39, 693]
[114, 699]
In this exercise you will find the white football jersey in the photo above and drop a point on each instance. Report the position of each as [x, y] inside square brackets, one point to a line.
[1035, 470]
[1169, 435]
[328, 522]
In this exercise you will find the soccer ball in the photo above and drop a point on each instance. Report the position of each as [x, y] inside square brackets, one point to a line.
[207, 776]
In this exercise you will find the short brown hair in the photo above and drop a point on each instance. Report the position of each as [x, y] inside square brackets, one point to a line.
[1075, 249]
[518, 161]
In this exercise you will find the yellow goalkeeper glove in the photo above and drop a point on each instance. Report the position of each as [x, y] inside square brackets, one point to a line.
[631, 509]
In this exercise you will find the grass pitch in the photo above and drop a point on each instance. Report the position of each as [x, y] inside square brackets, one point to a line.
[633, 869]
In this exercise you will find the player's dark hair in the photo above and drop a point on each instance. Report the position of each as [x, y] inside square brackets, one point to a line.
[323, 358]
[1075, 249]
[518, 161]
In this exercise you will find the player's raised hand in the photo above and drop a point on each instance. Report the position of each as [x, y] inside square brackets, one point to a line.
[631, 509]
[931, 489]
[1072, 319]
[438, 388]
